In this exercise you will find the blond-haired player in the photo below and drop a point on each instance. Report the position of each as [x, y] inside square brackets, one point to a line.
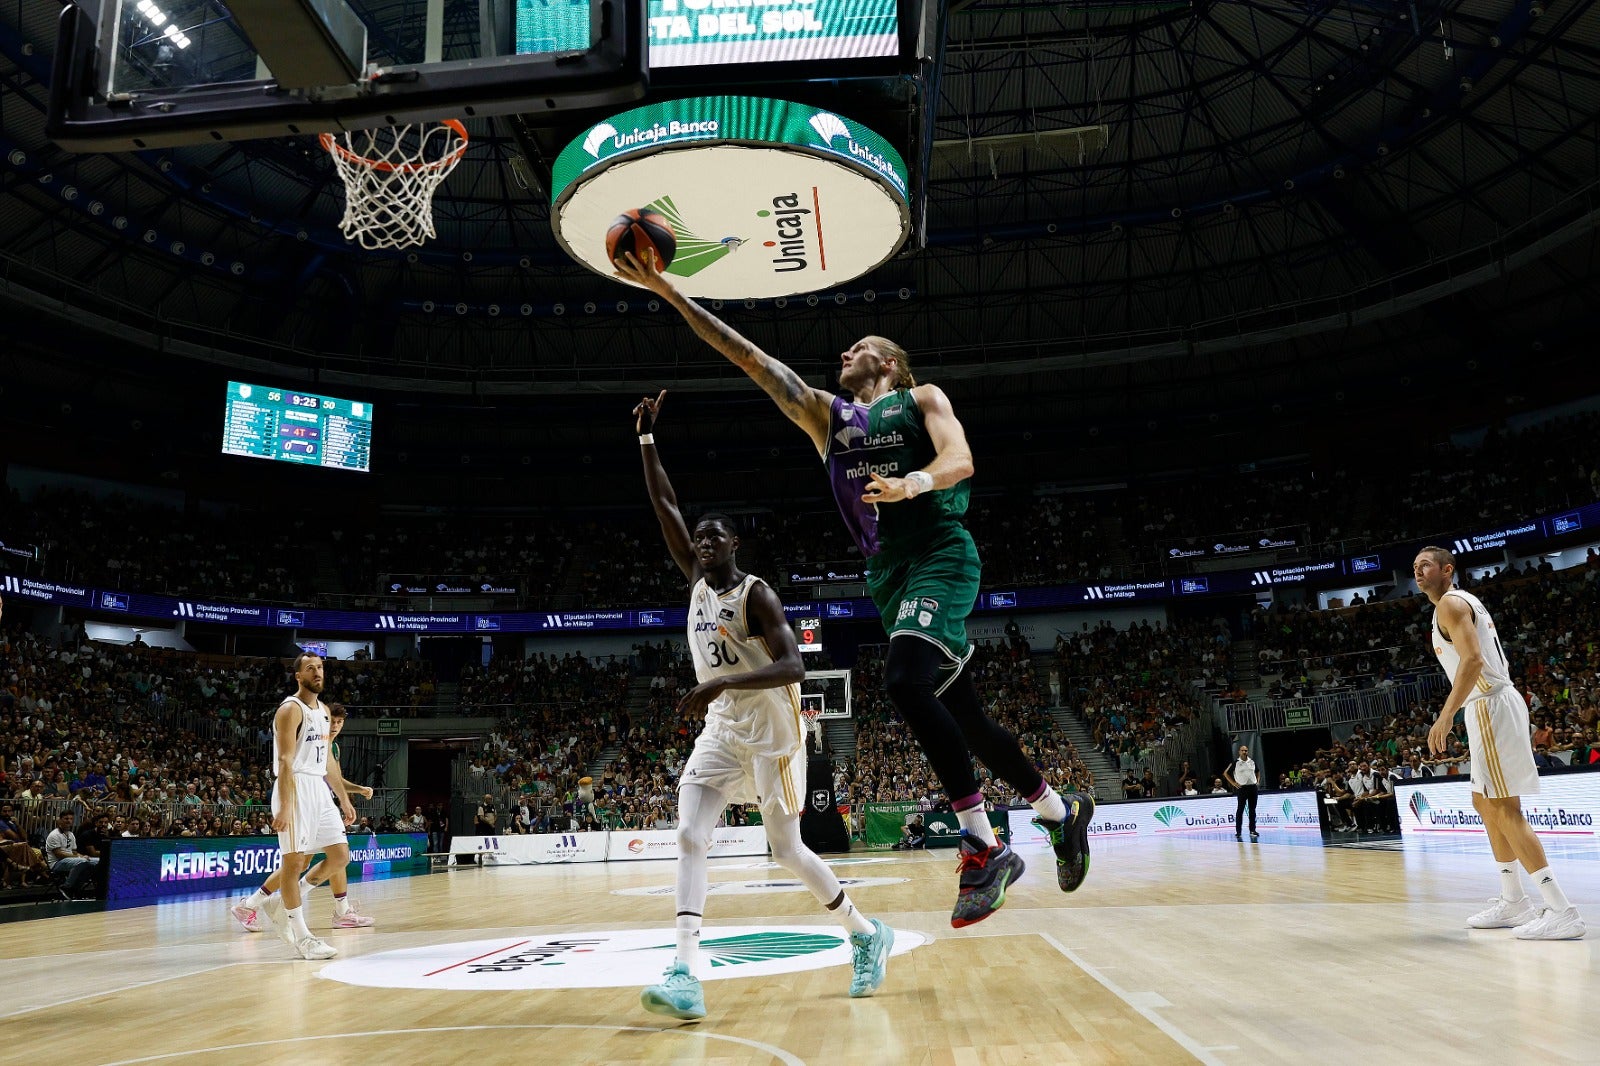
[1469, 649]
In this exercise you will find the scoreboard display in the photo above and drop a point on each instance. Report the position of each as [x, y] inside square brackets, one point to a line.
[808, 634]
[699, 33]
[297, 427]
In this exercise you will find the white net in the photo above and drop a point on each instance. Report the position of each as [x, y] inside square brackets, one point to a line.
[390, 175]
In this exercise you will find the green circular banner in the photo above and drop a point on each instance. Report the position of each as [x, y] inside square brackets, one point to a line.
[767, 198]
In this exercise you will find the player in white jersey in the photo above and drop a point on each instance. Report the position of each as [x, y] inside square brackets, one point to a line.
[303, 812]
[332, 868]
[1470, 651]
[753, 744]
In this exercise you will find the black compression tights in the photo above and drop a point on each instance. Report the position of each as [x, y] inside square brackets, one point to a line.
[953, 727]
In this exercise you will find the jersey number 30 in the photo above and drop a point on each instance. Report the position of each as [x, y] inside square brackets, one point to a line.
[718, 654]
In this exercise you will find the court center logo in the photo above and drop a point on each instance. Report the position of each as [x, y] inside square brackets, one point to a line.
[607, 959]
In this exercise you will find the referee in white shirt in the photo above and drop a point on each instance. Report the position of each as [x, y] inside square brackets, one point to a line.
[1242, 777]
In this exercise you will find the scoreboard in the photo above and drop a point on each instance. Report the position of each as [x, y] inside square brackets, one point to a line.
[297, 427]
[698, 33]
[808, 634]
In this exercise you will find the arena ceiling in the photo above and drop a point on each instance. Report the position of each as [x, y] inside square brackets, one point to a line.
[1133, 206]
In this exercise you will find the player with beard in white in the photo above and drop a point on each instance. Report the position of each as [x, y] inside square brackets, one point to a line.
[1500, 750]
[303, 812]
[753, 745]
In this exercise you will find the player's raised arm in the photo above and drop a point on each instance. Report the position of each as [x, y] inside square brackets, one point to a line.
[805, 406]
[662, 498]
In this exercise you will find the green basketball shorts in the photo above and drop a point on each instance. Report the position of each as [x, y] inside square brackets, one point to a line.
[928, 591]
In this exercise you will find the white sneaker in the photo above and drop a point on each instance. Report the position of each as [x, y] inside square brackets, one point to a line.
[1504, 914]
[1552, 925]
[276, 912]
[312, 948]
[246, 916]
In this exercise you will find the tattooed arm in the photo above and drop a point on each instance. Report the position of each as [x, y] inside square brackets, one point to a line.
[803, 405]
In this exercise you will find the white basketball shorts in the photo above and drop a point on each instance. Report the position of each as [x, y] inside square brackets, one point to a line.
[317, 822]
[775, 782]
[1497, 737]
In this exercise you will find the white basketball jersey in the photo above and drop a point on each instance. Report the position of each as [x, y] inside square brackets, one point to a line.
[1496, 676]
[765, 719]
[311, 741]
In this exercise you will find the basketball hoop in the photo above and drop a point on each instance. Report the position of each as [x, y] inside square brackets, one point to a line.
[390, 175]
[811, 717]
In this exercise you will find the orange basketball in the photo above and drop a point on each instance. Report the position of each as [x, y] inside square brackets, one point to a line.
[641, 231]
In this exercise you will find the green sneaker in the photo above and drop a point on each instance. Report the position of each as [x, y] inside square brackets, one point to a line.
[869, 958]
[1070, 840]
[678, 995]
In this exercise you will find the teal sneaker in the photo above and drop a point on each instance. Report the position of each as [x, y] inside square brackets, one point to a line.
[1070, 840]
[869, 958]
[678, 995]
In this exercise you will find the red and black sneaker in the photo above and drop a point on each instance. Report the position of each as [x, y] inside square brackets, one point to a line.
[985, 873]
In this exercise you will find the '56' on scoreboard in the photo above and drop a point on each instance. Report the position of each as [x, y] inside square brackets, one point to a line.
[297, 427]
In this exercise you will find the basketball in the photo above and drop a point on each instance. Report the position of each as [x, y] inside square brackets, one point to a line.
[638, 231]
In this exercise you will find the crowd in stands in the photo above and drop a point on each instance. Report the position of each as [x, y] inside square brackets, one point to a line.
[572, 561]
[1549, 625]
[1138, 686]
[888, 765]
[118, 542]
[156, 742]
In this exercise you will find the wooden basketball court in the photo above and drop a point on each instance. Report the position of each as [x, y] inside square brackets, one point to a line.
[1176, 950]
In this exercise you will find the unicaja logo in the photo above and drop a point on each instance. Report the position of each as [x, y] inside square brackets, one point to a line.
[1419, 807]
[829, 126]
[597, 137]
[1288, 811]
[1166, 814]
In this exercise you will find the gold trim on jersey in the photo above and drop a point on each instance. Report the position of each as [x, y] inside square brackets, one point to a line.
[1491, 753]
[788, 786]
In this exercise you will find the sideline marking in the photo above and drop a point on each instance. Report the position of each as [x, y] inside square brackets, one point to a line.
[778, 1053]
[1138, 1001]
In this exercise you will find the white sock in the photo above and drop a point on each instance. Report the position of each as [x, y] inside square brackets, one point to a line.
[341, 906]
[1554, 898]
[844, 912]
[1049, 806]
[1510, 883]
[790, 852]
[305, 890]
[975, 823]
[256, 899]
[689, 940]
[297, 922]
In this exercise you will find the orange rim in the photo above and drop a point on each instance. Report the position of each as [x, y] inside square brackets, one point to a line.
[332, 146]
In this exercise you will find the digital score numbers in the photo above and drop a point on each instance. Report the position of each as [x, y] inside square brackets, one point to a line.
[808, 634]
[694, 33]
[297, 427]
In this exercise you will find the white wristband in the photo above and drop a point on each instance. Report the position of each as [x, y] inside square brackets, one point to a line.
[646, 438]
[921, 479]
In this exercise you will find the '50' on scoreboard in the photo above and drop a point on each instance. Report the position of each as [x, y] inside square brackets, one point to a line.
[297, 427]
